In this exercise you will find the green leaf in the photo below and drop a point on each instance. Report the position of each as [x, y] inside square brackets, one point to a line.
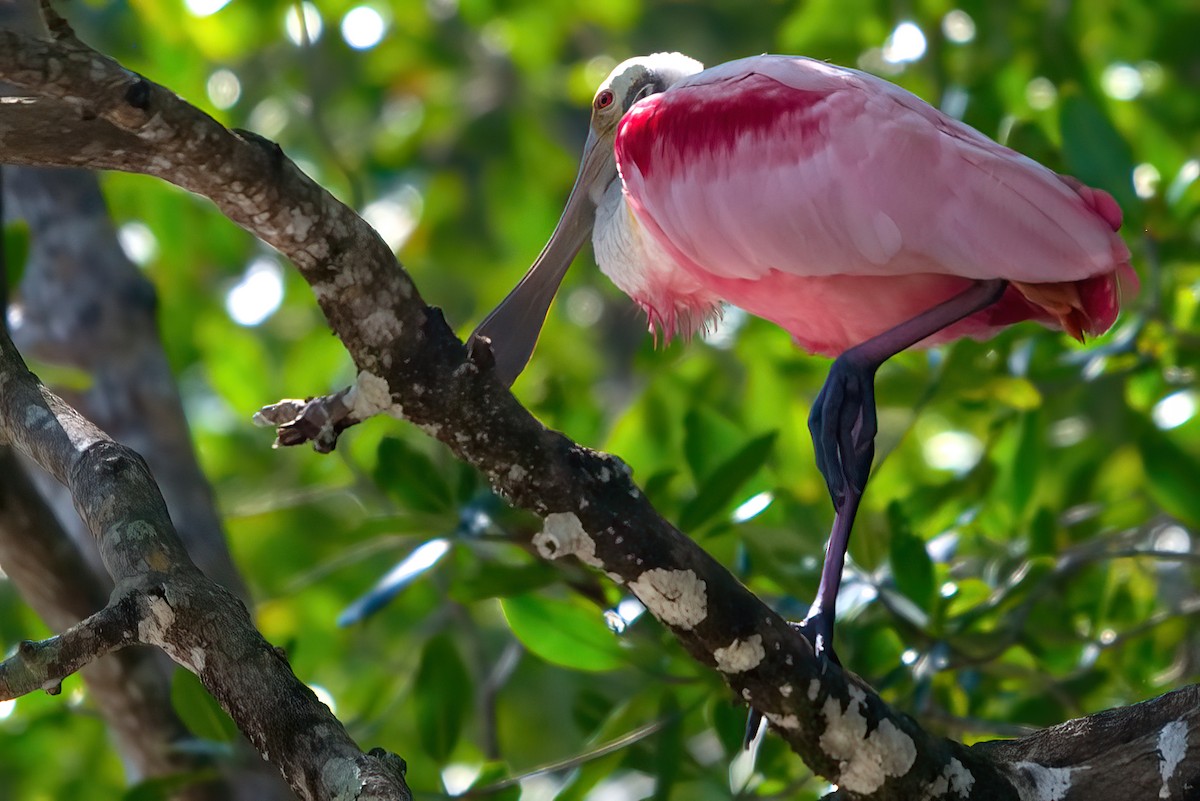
[1029, 138]
[60, 376]
[411, 477]
[443, 694]
[495, 580]
[962, 607]
[198, 710]
[668, 747]
[493, 773]
[1042, 530]
[1027, 578]
[1020, 581]
[708, 440]
[566, 633]
[16, 253]
[1027, 460]
[1094, 150]
[623, 719]
[911, 564]
[728, 721]
[1173, 474]
[718, 490]
[590, 709]
[233, 353]
[657, 487]
[1017, 393]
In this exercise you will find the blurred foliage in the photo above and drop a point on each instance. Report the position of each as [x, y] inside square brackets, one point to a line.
[1026, 550]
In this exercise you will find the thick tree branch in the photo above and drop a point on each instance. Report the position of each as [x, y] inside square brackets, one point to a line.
[1142, 751]
[162, 599]
[82, 303]
[413, 366]
[128, 687]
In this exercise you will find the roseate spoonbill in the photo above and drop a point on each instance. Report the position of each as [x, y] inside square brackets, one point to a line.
[835, 204]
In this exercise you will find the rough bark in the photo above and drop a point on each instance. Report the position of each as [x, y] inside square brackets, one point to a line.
[127, 687]
[412, 366]
[83, 304]
[160, 598]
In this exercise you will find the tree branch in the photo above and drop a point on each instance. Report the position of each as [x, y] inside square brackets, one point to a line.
[82, 303]
[162, 599]
[129, 687]
[45, 664]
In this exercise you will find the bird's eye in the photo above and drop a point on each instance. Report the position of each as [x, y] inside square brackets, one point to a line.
[603, 100]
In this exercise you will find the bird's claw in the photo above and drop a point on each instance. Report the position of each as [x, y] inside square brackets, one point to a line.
[817, 628]
[843, 426]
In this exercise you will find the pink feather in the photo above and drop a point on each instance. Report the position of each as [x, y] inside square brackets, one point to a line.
[838, 205]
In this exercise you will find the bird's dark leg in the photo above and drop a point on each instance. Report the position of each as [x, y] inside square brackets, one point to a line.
[843, 426]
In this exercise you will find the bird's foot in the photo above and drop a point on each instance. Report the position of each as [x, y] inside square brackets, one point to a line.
[843, 425]
[817, 628]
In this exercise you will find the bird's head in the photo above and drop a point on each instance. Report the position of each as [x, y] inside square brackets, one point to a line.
[514, 325]
[636, 79]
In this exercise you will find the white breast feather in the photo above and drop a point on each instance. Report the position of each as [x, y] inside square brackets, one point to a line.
[620, 245]
[674, 301]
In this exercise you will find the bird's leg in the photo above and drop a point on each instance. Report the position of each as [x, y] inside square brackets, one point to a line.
[843, 426]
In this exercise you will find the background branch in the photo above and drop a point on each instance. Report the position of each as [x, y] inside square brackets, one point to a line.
[195, 621]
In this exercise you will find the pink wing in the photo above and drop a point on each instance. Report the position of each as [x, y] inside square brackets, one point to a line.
[771, 169]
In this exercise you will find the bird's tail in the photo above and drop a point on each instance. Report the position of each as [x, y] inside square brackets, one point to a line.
[1084, 308]
[1089, 307]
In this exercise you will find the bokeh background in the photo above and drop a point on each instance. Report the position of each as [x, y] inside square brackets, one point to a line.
[1027, 548]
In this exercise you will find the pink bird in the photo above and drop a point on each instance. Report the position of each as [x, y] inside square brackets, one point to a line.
[835, 204]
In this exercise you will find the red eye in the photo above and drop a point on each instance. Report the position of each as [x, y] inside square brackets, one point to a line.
[603, 100]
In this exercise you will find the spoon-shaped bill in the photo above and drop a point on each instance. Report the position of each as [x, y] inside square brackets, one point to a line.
[513, 326]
